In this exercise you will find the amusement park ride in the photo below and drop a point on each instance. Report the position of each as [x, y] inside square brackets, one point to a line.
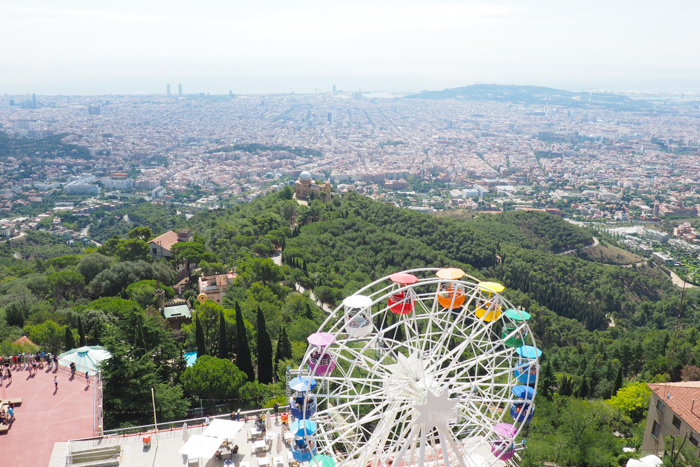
[436, 370]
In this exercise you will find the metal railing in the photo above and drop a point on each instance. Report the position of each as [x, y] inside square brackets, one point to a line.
[133, 434]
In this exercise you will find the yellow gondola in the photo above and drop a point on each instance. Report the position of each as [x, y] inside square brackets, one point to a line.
[488, 309]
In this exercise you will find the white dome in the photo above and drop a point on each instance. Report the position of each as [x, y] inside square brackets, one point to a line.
[305, 176]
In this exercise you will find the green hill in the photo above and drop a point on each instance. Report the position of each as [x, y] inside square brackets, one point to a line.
[533, 95]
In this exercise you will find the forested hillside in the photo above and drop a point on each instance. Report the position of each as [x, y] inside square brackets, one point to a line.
[602, 327]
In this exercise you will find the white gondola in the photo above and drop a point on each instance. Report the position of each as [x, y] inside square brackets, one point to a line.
[357, 322]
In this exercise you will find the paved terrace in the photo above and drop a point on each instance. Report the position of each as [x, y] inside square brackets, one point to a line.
[46, 415]
[166, 444]
[164, 448]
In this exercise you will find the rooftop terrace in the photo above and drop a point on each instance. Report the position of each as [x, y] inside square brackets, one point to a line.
[46, 415]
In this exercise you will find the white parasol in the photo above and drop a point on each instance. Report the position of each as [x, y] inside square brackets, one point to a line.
[280, 444]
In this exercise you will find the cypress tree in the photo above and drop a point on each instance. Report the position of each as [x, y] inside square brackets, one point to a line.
[618, 382]
[199, 337]
[244, 362]
[81, 333]
[547, 380]
[223, 341]
[582, 392]
[264, 350]
[284, 346]
[96, 332]
[70, 340]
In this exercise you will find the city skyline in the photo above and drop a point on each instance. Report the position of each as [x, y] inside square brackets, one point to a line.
[77, 48]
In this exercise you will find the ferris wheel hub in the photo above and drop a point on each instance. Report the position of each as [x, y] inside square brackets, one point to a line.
[437, 410]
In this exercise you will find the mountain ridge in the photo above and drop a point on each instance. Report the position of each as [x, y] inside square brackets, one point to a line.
[532, 95]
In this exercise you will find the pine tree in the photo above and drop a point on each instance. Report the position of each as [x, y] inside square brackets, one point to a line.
[618, 382]
[199, 337]
[70, 340]
[223, 341]
[81, 333]
[264, 350]
[244, 362]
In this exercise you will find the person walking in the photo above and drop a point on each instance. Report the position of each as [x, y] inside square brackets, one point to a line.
[87, 378]
[55, 382]
[9, 375]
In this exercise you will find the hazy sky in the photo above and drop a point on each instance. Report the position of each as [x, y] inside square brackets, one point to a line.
[265, 46]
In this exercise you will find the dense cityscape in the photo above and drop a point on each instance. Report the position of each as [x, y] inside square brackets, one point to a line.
[590, 162]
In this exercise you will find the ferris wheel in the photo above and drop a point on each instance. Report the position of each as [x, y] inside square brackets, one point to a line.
[423, 367]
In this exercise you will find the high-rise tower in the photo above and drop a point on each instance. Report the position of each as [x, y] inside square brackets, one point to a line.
[179, 90]
[168, 90]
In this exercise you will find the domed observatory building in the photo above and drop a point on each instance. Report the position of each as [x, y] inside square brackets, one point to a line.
[306, 188]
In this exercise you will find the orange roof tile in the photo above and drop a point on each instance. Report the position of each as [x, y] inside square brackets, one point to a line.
[166, 241]
[24, 340]
[679, 398]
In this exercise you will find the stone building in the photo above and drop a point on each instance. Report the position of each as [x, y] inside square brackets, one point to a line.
[306, 188]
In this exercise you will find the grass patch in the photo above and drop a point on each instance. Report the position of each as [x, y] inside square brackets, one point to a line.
[608, 254]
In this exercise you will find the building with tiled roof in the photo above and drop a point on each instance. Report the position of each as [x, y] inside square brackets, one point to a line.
[674, 410]
[160, 246]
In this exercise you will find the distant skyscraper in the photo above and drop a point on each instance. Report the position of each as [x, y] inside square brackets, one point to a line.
[179, 89]
[334, 88]
[168, 90]
[330, 117]
[34, 104]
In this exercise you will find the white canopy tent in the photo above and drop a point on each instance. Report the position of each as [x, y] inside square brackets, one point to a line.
[86, 359]
[648, 461]
[200, 446]
[223, 429]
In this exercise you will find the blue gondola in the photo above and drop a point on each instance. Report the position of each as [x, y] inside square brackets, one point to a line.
[526, 374]
[298, 409]
[522, 412]
[529, 351]
[302, 384]
[523, 392]
[303, 451]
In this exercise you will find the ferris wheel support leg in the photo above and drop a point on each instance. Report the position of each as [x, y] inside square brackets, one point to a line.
[409, 441]
[451, 441]
[421, 454]
[385, 428]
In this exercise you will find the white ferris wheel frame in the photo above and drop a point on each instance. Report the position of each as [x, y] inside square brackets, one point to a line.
[433, 397]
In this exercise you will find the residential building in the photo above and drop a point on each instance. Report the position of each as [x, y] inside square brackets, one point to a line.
[674, 410]
[663, 258]
[214, 287]
[161, 245]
